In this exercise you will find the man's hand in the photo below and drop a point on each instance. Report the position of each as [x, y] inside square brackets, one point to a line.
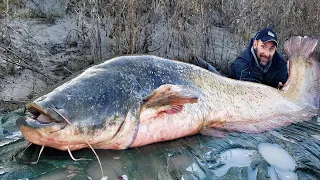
[280, 85]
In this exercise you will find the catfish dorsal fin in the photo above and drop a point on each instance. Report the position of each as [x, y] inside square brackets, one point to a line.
[170, 98]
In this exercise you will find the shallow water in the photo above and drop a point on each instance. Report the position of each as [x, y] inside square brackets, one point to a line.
[291, 152]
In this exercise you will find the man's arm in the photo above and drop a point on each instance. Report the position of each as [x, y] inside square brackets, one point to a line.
[282, 76]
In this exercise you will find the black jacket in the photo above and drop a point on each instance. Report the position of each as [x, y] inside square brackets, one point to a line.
[245, 68]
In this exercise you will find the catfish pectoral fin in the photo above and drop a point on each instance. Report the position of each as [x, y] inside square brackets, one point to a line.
[172, 95]
[167, 99]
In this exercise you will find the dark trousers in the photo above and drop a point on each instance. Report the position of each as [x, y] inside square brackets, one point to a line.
[202, 63]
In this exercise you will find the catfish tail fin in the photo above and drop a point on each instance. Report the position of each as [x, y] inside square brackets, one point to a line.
[303, 84]
[300, 46]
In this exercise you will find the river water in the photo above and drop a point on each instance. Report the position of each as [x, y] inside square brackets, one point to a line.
[291, 152]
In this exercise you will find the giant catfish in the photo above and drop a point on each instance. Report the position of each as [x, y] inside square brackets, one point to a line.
[132, 101]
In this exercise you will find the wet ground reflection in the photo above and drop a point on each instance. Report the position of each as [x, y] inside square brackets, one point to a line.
[292, 152]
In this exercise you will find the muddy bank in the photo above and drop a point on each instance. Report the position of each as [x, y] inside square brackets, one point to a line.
[44, 54]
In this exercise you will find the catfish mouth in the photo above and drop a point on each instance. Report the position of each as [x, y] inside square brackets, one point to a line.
[37, 117]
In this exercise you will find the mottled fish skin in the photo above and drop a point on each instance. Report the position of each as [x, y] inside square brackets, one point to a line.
[108, 96]
[132, 101]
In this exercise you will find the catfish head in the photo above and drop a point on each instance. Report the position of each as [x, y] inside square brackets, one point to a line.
[93, 108]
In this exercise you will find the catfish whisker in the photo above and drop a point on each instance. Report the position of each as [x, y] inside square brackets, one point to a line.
[38, 156]
[83, 138]
[75, 158]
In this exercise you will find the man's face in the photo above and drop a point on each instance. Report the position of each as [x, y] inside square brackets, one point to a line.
[265, 50]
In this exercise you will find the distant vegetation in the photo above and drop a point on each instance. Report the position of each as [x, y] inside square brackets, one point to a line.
[190, 24]
[288, 18]
[175, 29]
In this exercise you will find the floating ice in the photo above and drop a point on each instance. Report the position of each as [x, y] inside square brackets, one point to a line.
[281, 162]
[234, 158]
